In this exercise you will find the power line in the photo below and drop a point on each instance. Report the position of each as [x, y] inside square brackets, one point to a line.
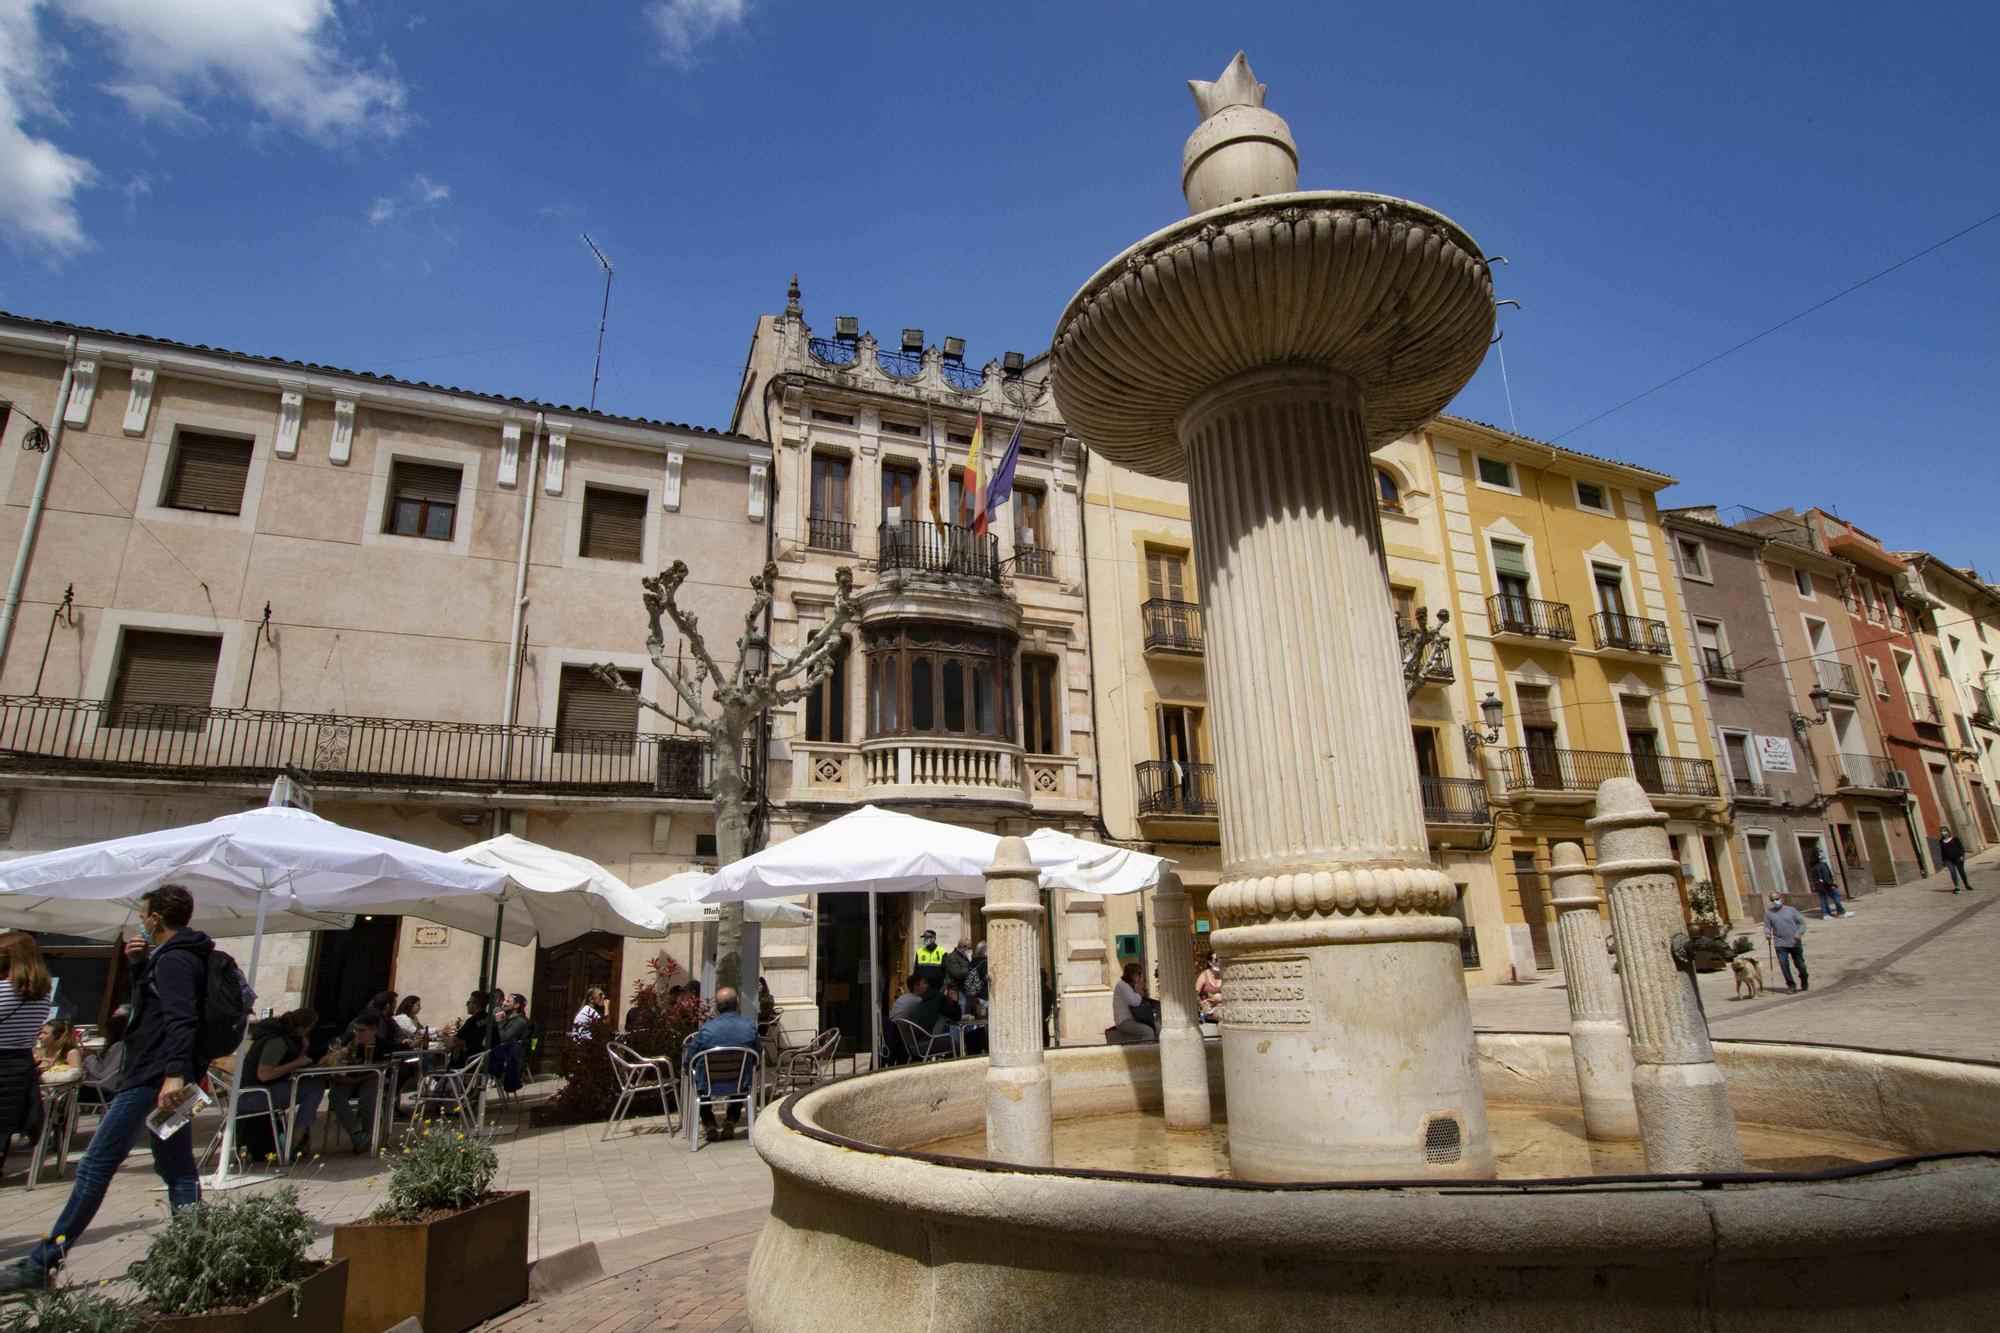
[1793, 319]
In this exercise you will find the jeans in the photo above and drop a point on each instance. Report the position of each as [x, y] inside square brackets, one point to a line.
[1790, 954]
[1829, 900]
[123, 1125]
[1958, 879]
[253, 1104]
[343, 1099]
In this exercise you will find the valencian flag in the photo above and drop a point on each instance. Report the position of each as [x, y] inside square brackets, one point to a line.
[970, 484]
[1001, 489]
[937, 511]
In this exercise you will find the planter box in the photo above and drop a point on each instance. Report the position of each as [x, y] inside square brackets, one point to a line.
[322, 1309]
[450, 1274]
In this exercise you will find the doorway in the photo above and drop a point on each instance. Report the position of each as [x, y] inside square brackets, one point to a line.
[843, 947]
[1534, 909]
[1982, 808]
[1881, 861]
[350, 968]
[565, 974]
[1642, 742]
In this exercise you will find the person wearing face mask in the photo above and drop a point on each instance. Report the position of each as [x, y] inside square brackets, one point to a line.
[169, 973]
[1786, 929]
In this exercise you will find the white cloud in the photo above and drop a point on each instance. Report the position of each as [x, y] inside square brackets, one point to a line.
[683, 26]
[38, 181]
[420, 195]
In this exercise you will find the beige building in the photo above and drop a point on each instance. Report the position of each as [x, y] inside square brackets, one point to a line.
[964, 693]
[1955, 621]
[247, 565]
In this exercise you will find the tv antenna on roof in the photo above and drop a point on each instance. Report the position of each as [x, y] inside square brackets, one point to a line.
[602, 315]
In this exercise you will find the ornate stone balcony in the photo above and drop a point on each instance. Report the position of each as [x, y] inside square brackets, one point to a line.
[957, 769]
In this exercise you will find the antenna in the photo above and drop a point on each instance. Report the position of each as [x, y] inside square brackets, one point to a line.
[602, 315]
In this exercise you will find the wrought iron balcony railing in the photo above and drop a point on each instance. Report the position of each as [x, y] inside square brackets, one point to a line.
[1171, 627]
[1454, 800]
[1530, 617]
[900, 365]
[1169, 787]
[1924, 710]
[219, 745]
[1746, 790]
[1545, 768]
[1982, 712]
[1035, 561]
[1835, 677]
[961, 376]
[1869, 770]
[939, 549]
[833, 351]
[830, 534]
[1631, 634]
[1717, 669]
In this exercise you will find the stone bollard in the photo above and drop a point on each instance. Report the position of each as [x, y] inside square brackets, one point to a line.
[1682, 1102]
[1598, 1043]
[1020, 1112]
[1183, 1060]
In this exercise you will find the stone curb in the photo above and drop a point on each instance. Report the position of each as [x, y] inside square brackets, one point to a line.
[564, 1271]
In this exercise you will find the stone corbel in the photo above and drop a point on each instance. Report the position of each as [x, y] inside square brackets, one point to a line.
[139, 402]
[670, 492]
[759, 485]
[291, 413]
[341, 447]
[510, 453]
[553, 468]
[82, 392]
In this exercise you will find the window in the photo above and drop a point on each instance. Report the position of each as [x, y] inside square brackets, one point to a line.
[1736, 751]
[1166, 575]
[593, 717]
[1510, 573]
[827, 526]
[1041, 721]
[899, 493]
[1694, 560]
[1642, 742]
[1031, 542]
[1180, 734]
[1610, 584]
[1426, 743]
[1590, 495]
[704, 847]
[826, 706]
[833, 418]
[1388, 495]
[1405, 602]
[614, 525]
[1875, 678]
[1496, 472]
[902, 428]
[924, 680]
[1803, 581]
[1539, 735]
[163, 680]
[207, 473]
[1714, 656]
[423, 500]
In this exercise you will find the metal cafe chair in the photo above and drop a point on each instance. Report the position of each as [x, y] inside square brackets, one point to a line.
[806, 1066]
[255, 1104]
[59, 1115]
[719, 1067]
[462, 1090]
[921, 1045]
[640, 1076]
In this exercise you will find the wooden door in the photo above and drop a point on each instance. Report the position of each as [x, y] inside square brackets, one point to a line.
[565, 974]
[1881, 861]
[1534, 909]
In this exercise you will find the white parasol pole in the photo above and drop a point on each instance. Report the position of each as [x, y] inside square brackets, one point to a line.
[874, 988]
[242, 1051]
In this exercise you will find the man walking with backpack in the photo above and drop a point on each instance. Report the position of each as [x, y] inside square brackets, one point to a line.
[165, 1054]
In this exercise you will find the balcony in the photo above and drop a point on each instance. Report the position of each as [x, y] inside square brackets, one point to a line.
[1529, 618]
[935, 768]
[1614, 631]
[242, 746]
[1925, 710]
[1454, 800]
[1743, 789]
[1717, 669]
[1172, 790]
[1982, 712]
[1836, 677]
[1575, 775]
[833, 351]
[1173, 628]
[1870, 772]
[829, 534]
[1035, 561]
[936, 548]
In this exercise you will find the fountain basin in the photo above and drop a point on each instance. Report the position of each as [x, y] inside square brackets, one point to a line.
[866, 1226]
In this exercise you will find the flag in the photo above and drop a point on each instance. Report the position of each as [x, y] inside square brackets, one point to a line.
[970, 484]
[1001, 489]
[937, 511]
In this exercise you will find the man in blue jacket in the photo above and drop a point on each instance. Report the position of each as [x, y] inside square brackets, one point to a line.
[728, 1028]
[169, 970]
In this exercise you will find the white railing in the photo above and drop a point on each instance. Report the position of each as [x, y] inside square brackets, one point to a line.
[943, 762]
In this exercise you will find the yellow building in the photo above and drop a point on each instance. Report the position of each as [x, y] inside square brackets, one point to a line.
[1565, 613]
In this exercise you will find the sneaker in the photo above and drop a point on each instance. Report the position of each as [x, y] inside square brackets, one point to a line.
[710, 1134]
[21, 1277]
[1805, 985]
[1790, 989]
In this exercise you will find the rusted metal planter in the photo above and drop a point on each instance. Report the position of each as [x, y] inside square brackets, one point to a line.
[322, 1308]
[451, 1274]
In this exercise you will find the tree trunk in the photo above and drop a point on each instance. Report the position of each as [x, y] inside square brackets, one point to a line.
[732, 843]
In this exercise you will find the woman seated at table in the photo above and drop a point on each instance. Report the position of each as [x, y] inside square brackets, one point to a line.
[409, 1027]
[58, 1054]
[352, 1097]
[277, 1051]
[102, 1067]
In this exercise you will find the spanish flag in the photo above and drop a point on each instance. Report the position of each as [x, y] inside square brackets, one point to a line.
[973, 497]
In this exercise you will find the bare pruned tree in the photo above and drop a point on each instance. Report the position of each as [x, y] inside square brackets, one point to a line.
[726, 705]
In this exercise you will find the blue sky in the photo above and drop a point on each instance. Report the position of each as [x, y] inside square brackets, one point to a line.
[399, 187]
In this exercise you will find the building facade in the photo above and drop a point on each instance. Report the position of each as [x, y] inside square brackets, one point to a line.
[248, 566]
[1955, 621]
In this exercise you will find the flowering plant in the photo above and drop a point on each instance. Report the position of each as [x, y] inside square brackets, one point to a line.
[440, 1169]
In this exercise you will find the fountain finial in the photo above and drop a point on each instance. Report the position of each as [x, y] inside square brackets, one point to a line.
[1240, 150]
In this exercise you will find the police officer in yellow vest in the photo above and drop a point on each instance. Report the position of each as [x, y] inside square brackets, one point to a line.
[930, 961]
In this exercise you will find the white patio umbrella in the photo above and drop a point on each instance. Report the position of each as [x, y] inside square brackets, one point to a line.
[555, 895]
[678, 899]
[271, 859]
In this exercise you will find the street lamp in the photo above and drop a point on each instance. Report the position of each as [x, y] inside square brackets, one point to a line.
[1489, 713]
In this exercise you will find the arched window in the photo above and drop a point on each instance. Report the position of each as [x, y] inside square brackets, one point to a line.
[952, 679]
[1388, 494]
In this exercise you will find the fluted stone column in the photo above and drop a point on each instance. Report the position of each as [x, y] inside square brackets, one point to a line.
[1682, 1102]
[1598, 1043]
[1020, 1123]
[1183, 1061]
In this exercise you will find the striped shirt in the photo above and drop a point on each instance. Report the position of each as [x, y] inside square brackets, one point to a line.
[20, 1020]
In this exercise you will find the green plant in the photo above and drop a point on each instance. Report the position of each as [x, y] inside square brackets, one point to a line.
[1702, 904]
[223, 1256]
[588, 1084]
[71, 1310]
[440, 1170]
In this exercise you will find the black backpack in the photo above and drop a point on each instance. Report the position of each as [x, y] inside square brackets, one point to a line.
[223, 1011]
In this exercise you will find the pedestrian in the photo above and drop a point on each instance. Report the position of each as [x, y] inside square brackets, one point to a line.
[1786, 930]
[25, 992]
[930, 961]
[163, 1061]
[1823, 885]
[1952, 852]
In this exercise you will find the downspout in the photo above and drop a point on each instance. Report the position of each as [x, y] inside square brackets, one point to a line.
[33, 526]
[510, 708]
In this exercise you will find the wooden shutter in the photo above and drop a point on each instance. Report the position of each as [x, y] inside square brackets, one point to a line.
[208, 474]
[1510, 558]
[1638, 713]
[585, 704]
[159, 675]
[435, 482]
[1164, 570]
[614, 524]
[1533, 701]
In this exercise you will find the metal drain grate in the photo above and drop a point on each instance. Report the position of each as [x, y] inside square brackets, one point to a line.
[1442, 1142]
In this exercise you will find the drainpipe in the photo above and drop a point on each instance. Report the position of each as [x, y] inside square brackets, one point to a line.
[33, 526]
[510, 708]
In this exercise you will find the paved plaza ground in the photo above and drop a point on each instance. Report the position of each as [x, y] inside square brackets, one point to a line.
[1911, 970]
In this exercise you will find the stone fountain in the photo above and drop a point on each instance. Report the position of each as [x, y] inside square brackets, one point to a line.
[1332, 1161]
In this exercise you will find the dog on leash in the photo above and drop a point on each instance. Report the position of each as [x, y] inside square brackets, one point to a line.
[1749, 976]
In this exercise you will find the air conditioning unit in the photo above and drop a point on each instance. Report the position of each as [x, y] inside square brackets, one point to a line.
[1898, 778]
